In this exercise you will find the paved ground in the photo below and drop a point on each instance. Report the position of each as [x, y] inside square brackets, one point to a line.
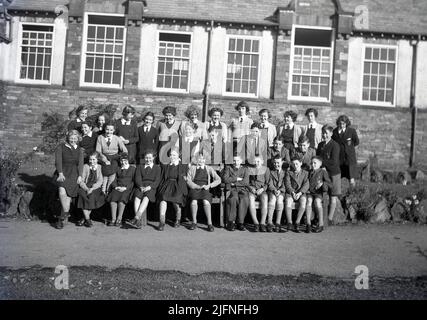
[388, 250]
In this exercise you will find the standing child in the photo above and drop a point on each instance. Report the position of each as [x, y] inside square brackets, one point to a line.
[101, 121]
[121, 189]
[148, 137]
[88, 141]
[168, 133]
[200, 179]
[241, 126]
[276, 195]
[278, 150]
[90, 195]
[76, 124]
[305, 153]
[69, 167]
[127, 130]
[268, 130]
[289, 131]
[255, 145]
[319, 182]
[329, 151]
[108, 146]
[296, 182]
[147, 179]
[258, 184]
[192, 114]
[173, 188]
[313, 131]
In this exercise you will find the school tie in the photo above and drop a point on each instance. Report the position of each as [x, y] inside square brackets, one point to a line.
[108, 142]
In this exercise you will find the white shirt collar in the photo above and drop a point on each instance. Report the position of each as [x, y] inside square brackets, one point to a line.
[149, 165]
[70, 146]
[88, 135]
[126, 122]
[189, 139]
[125, 167]
[290, 126]
[174, 163]
[93, 167]
[201, 167]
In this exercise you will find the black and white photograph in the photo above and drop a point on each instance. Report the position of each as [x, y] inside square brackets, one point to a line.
[213, 155]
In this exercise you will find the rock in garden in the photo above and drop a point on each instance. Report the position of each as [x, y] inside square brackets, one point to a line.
[380, 213]
[24, 204]
[420, 212]
[352, 213]
[404, 178]
[419, 175]
[398, 212]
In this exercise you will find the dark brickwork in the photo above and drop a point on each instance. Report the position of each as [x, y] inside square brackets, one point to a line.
[73, 54]
[133, 40]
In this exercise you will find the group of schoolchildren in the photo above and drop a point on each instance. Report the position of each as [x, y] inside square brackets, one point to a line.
[118, 162]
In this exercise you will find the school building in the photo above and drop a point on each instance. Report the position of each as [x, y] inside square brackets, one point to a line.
[365, 59]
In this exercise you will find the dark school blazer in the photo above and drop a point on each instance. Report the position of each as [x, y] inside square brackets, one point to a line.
[347, 142]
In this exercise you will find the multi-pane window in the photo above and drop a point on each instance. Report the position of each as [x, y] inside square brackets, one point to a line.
[242, 66]
[36, 53]
[104, 51]
[173, 62]
[311, 64]
[379, 74]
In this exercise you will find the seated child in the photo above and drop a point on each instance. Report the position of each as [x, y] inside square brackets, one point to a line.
[276, 194]
[121, 190]
[147, 179]
[200, 179]
[108, 146]
[258, 183]
[319, 182]
[296, 183]
[90, 195]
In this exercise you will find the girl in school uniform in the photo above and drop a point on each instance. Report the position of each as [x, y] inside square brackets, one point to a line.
[313, 131]
[188, 145]
[90, 195]
[147, 179]
[192, 113]
[121, 190]
[88, 140]
[81, 113]
[127, 130]
[148, 137]
[218, 134]
[69, 168]
[289, 131]
[268, 130]
[101, 121]
[200, 179]
[108, 147]
[168, 133]
[241, 126]
[173, 188]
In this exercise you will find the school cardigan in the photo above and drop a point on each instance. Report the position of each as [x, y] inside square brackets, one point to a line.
[347, 141]
[201, 131]
[191, 174]
[104, 149]
[317, 133]
[164, 132]
[330, 153]
[298, 133]
[85, 177]
[297, 182]
[277, 181]
[147, 140]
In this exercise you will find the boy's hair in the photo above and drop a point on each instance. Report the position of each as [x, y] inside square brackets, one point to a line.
[243, 104]
[328, 127]
[150, 151]
[124, 156]
[277, 157]
[148, 113]
[103, 115]
[344, 119]
[255, 125]
[190, 110]
[279, 138]
[80, 108]
[88, 122]
[128, 109]
[318, 158]
[314, 111]
[292, 114]
[110, 123]
[304, 139]
[95, 154]
[265, 111]
[296, 158]
[215, 109]
[169, 109]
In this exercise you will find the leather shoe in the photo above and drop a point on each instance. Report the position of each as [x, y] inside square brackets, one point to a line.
[210, 228]
[80, 222]
[308, 229]
[161, 227]
[193, 226]
[241, 227]
[256, 228]
[262, 228]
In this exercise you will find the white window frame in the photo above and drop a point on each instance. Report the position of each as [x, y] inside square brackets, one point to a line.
[18, 56]
[226, 46]
[291, 68]
[156, 63]
[83, 51]
[362, 68]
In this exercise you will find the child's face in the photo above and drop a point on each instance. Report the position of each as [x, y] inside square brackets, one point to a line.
[128, 116]
[149, 158]
[86, 129]
[189, 131]
[304, 146]
[258, 162]
[242, 111]
[297, 165]
[101, 120]
[237, 161]
[277, 144]
[263, 117]
[326, 135]
[73, 139]
[148, 120]
[201, 161]
[288, 120]
[316, 164]
[216, 116]
[109, 130]
[342, 124]
[255, 132]
[169, 117]
[193, 117]
[82, 114]
[311, 117]
[93, 160]
[124, 162]
[174, 156]
[277, 164]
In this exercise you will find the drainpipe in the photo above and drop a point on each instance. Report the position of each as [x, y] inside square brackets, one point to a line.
[207, 77]
[412, 106]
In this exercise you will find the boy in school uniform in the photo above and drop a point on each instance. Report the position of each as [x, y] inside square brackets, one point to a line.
[296, 182]
[236, 179]
[305, 153]
[319, 182]
[278, 150]
[276, 194]
[255, 145]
